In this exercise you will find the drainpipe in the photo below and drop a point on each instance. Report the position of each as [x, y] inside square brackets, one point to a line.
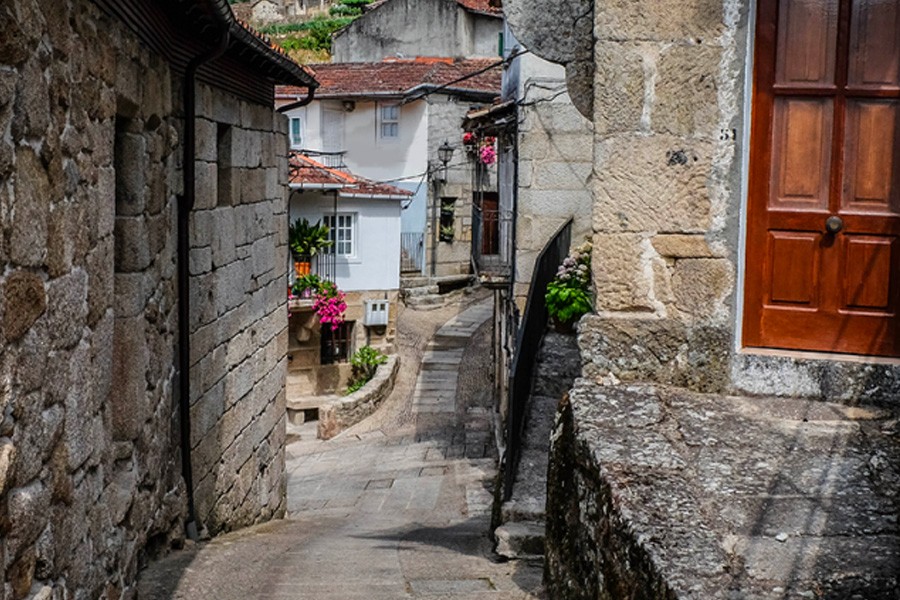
[298, 103]
[185, 205]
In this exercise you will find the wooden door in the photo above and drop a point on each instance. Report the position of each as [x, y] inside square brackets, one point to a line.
[823, 258]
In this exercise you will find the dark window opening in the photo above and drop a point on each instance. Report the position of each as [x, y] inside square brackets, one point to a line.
[448, 219]
[227, 184]
[336, 343]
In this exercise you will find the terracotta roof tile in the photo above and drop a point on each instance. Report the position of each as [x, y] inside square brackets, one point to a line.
[490, 7]
[400, 77]
[305, 170]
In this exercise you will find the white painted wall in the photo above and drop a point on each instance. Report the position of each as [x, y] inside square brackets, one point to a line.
[376, 263]
[368, 155]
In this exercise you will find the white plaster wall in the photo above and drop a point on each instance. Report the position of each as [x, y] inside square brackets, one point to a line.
[376, 264]
[367, 154]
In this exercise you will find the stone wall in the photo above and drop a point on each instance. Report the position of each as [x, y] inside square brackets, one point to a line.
[239, 258]
[410, 28]
[445, 118]
[555, 166]
[90, 478]
[667, 103]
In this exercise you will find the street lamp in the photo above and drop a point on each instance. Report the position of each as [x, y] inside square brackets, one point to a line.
[445, 155]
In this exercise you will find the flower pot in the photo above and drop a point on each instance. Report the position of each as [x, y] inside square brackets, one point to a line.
[301, 268]
[564, 326]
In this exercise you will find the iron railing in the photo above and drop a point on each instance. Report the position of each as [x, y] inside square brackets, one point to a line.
[412, 251]
[492, 233]
[332, 160]
[528, 338]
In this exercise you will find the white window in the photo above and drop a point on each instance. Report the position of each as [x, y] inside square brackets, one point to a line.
[390, 121]
[341, 233]
[296, 132]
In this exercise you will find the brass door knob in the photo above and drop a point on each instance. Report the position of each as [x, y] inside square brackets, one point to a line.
[834, 224]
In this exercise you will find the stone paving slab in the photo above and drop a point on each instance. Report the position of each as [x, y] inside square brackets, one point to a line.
[726, 498]
[386, 515]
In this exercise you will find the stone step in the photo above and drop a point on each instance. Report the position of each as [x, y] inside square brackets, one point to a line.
[414, 281]
[429, 302]
[424, 290]
[521, 540]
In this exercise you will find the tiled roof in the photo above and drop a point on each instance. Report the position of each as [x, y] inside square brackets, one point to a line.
[306, 171]
[400, 77]
[482, 6]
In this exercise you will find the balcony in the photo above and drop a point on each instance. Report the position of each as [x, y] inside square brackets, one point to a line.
[492, 245]
[332, 160]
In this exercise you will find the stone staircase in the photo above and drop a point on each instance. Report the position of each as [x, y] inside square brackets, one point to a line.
[430, 293]
[521, 533]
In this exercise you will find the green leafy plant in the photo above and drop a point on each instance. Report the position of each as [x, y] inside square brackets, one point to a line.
[568, 296]
[306, 239]
[364, 363]
[310, 285]
[447, 233]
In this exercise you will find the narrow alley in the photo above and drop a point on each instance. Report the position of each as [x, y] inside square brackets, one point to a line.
[396, 507]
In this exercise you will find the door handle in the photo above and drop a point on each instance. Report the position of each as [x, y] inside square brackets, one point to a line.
[833, 224]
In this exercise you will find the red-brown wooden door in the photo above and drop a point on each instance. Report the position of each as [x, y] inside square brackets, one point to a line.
[825, 143]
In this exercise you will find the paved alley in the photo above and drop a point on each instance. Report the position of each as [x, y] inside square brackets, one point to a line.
[387, 513]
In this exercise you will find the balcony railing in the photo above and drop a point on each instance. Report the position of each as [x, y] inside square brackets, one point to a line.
[332, 160]
[528, 338]
[492, 244]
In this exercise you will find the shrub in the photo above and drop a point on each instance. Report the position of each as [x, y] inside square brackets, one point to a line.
[568, 296]
[364, 363]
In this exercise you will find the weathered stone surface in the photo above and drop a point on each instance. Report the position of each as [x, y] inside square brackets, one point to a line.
[28, 231]
[678, 245]
[561, 32]
[620, 279]
[619, 87]
[656, 183]
[743, 498]
[7, 456]
[701, 287]
[24, 300]
[650, 349]
[659, 20]
[686, 102]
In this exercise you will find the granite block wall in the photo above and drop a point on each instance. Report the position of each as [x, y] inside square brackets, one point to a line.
[90, 478]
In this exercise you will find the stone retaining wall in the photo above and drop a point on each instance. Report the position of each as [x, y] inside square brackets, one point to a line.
[661, 493]
[343, 412]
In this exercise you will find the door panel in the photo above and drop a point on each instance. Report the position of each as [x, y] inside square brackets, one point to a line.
[871, 161]
[801, 157]
[806, 42]
[874, 41]
[824, 207]
[867, 276]
[794, 267]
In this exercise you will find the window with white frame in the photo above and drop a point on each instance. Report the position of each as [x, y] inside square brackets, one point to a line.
[389, 127]
[296, 132]
[341, 233]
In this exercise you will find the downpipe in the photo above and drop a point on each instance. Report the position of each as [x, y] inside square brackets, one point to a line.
[185, 206]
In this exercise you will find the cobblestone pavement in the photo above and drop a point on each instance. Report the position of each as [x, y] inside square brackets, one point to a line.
[380, 514]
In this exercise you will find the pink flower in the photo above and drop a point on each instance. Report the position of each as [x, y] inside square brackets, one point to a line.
[488, 155]
[330, 309]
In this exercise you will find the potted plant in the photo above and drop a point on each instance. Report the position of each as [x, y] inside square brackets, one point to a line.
[307, 286]
[305, 241]
[568, 296]
[446, 233]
